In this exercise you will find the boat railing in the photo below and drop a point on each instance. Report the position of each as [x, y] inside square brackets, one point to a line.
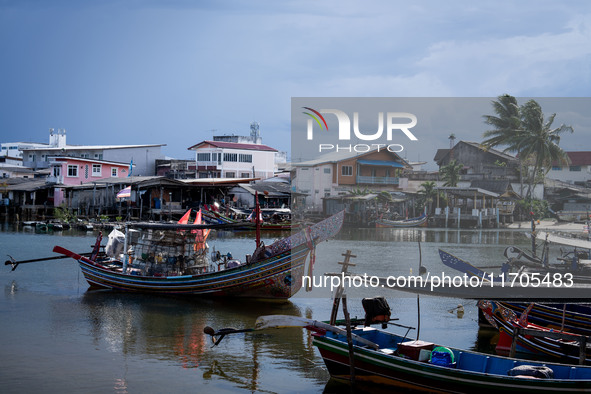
[521, 331]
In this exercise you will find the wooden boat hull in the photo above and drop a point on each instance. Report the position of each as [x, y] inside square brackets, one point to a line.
[565, 350]
[414, 222]
[277, 274]
[279, 277]
[486, 373]
[577, 317]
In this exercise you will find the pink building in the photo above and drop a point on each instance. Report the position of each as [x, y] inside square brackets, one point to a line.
[77, 170]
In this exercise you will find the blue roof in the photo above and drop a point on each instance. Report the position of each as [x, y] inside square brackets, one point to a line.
[380, 163]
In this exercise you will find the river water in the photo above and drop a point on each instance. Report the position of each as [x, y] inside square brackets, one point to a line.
[56, 336]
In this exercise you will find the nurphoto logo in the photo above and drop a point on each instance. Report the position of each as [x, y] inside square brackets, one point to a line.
[395, 121]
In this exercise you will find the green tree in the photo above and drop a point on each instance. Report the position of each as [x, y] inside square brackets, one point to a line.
[522, 130]
[451, 173]
[539, 141]
[427, 193]
[506, 130]
[506, 123]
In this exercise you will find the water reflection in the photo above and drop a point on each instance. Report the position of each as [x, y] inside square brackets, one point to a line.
[170, 330]
[436, 235]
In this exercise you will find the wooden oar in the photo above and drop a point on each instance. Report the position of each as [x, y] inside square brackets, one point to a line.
[15, 263]
[283, 321]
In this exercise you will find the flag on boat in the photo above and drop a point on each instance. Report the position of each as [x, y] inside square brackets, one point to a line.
[124, 193]
[185, 218]
[201, 235]
[252, 217]
[130, 167]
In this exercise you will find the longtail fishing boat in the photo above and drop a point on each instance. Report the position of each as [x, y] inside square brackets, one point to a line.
[571, 317]
[169, 259]
[369, 356]
[566, 349]
[425, 366]
[412, 222]
[215, 217]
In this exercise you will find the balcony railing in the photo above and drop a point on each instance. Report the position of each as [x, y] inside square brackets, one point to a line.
[377, 180]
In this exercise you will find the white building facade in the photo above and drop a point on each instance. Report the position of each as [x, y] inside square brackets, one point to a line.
[143, 156]
[219, 159]
[577, 171]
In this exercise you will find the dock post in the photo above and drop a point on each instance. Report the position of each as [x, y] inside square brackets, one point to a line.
[349, 341]
[340, 290]
[498, 218]
[338, 296]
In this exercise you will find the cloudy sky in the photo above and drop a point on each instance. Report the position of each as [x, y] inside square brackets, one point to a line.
[172, 72]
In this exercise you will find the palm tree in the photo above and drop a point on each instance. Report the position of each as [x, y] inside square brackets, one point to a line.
[451, 173]
[507, 124]
[539, 141]
[523, 131]
[507, 129]
[428, 192]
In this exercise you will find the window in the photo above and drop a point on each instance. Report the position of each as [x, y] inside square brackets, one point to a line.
[96, 170]
[347, 170]
[204, 156]
[57, 171]
[244, 175]
[72, 170]
[230, 156]
[114, 172]
[556, 168]
[98, 156]
[327, 170]
[244, 158]
[230, 175]
[574, 168]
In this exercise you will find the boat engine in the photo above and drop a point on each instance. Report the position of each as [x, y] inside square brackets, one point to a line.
[376, 310]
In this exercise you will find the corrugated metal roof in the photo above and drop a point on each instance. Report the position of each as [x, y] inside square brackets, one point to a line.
[26, 185]
[579, 158]
[93, 147]
[467, 191]
[217, 181]
[234, 145]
